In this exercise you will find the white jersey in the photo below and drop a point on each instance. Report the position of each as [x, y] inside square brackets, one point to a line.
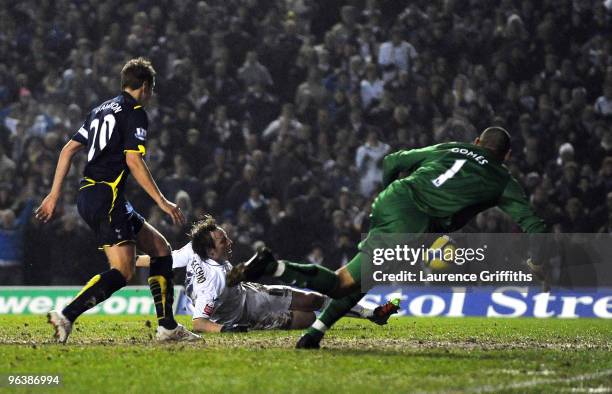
[259, 306]
[205, 285]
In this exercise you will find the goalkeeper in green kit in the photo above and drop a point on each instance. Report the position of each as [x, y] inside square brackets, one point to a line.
[448, 184]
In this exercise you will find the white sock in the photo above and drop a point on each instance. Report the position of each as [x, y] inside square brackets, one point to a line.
[280, 268]
[362, 311]
[319, 326]
[356, 311]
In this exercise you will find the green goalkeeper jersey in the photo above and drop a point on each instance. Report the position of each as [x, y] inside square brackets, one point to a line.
[455, 181]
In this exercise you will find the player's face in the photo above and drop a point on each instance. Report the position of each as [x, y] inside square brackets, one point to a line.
[223, 244]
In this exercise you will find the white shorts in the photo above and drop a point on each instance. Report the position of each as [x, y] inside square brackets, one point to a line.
[267, 307]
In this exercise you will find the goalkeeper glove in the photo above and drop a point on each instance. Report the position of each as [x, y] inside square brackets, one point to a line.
[541, 273]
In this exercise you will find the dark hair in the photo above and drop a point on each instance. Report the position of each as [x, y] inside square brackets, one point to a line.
[201, 237]
[136, 72]
[496, 139]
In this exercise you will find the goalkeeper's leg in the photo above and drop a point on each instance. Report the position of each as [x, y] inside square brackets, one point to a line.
[312, 276]
[379, 315]
[331, 314]
[349, 296]
[390, 213]
[310, 301]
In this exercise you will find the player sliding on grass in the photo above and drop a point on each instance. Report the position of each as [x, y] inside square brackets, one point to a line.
[218, 308]
[114, 134]
[447, 185]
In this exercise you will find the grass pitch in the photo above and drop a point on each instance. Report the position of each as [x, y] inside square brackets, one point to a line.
[118, 355]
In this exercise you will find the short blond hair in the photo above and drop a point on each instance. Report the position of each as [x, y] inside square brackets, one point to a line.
[136, 72]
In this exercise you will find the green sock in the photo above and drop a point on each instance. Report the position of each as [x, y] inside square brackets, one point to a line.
[333, 312]
[310, 276]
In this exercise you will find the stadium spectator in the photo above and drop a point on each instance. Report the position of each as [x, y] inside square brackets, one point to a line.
[12, 228]
[371, 86]
[368, 160]
[253, 72]
[285, 124]
[603, 104]
[396, 55]
[316, 255]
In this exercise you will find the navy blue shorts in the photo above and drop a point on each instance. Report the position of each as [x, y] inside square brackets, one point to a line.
[114, 220]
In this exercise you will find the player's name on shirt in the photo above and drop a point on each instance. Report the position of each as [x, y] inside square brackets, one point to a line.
[113, 105]
[480, 159]
[198, 271]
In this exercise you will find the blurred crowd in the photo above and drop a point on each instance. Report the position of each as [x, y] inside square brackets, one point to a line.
[274, 115]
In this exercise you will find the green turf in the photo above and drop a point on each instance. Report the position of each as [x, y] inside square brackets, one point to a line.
[116, 354]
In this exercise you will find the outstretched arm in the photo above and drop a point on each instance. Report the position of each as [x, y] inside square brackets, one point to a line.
[204, 325]
[514, 202]
[46, 209]
[141, 173]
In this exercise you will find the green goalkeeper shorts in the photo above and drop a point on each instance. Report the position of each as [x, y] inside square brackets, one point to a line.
[393, 212]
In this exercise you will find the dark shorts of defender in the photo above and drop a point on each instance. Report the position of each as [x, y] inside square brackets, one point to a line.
[113, 220]
[393, 212]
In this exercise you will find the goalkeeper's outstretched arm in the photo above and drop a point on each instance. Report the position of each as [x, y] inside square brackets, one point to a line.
[514, 202]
